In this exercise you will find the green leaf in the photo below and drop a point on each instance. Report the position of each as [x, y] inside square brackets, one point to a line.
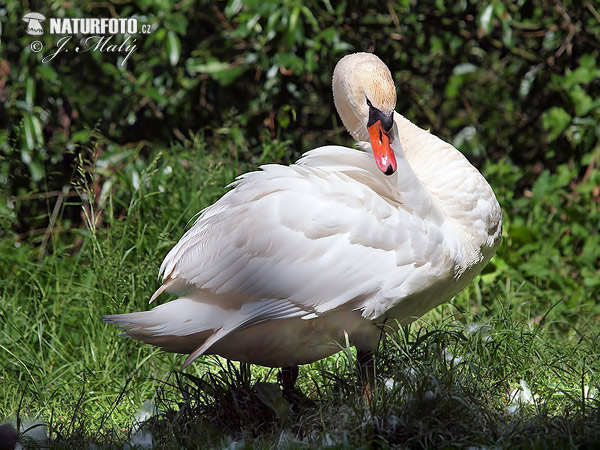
[155, 95]
[270, 395]
[460, 74]
[29, 91]
[29, 132]
[222, 72]
[584, 74]
[507, 34]
[554, 121]
[173, 47]
[464, 69]
[485, 19]
[37, 130]
[310, 18]
[522, 234]
[81, 136]
[233, 7]
[177, 23]
[35, 167]
[291, 61]
[36, 170]
[293, 27]
[228, 76]
[195, 66]
[47, 73]
[583, 103]
[527, 81]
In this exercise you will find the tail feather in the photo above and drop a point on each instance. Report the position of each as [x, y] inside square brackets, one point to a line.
[201, 349]
[179, 326]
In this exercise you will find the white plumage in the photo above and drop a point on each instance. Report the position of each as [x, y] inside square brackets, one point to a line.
[293, 257]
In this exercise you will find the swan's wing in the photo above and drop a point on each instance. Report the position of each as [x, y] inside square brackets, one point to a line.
[312, 238]
[300, 241]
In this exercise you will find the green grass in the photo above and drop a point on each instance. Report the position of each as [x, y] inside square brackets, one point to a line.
[531, 319]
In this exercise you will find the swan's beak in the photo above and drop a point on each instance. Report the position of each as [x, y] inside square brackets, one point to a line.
[382, 150]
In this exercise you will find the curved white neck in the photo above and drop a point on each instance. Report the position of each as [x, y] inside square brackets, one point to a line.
[409, 188]
[451, 182]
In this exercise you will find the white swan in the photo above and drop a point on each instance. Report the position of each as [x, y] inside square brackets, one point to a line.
[293, 258]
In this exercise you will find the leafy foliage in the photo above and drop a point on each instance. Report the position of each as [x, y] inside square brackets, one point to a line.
[497, 79]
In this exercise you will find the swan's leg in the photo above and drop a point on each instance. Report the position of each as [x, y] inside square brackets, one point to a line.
[292, 394]
[366, 370]
[289, 375]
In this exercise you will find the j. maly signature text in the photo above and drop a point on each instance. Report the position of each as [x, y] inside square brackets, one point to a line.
[100, 44]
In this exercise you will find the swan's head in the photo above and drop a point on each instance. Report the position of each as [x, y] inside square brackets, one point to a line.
[365, 98]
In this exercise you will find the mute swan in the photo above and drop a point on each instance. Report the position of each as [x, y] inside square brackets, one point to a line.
[294, 258]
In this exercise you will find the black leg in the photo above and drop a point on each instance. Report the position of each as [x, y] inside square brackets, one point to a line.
[289, 375]
[291, 393]
[366, 370]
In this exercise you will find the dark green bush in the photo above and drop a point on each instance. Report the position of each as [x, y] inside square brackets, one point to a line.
[517, 80]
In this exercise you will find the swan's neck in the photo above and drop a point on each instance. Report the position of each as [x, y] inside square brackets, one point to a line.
[438, 173]
[408, 189]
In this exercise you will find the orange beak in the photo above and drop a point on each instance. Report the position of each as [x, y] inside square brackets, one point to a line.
[384, 155]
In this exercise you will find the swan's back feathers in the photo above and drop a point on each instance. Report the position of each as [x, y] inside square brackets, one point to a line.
[315, 234]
